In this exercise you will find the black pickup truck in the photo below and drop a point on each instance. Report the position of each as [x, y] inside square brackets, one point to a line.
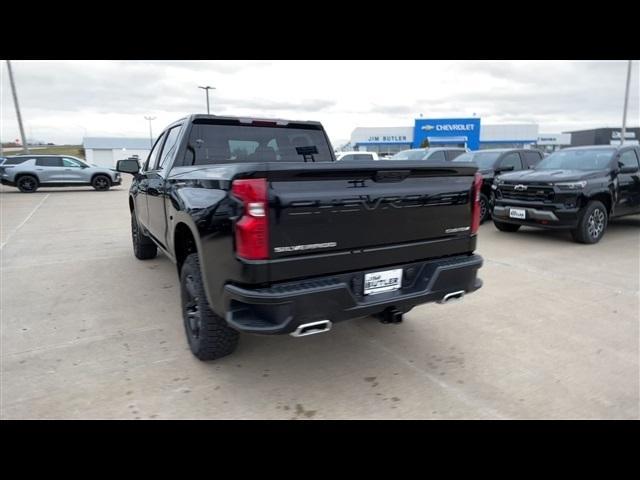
[577, 189]
[271, 235]
[494, 162]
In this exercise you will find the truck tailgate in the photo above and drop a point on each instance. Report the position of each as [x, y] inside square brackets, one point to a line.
[323, 208]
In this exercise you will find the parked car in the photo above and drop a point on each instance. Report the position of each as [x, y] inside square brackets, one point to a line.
[356, 156]
[578, 189]
[494, 162]
[271, 235]
[435, 154]
[29, 172]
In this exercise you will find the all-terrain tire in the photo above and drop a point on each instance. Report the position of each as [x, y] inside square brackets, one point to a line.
[143, 246]
[592, 223]
[27, 183]
[485, 208]
[208, 334]
[101, 183]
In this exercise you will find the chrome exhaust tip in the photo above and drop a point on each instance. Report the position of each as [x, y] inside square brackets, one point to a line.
[453, 296]
[312, 328]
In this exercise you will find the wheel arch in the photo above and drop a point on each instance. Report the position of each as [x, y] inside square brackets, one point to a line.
[22, 174]
[184, 243]
[603, 197]
[93, 177]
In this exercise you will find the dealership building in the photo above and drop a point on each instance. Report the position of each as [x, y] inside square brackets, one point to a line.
[455, 132]
[604, 136]
[106, 151]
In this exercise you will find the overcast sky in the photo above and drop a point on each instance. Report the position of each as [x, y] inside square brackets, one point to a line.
[62, 101]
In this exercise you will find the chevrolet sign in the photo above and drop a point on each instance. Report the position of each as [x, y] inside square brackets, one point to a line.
[451, 131]
[466, 127]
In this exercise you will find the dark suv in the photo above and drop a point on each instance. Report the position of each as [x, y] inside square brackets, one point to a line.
[578, 189]
[493, 162]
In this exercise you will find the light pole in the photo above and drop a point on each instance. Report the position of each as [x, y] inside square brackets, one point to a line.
[626, 102]
[206, 89]
[150, 119]
[25, 147]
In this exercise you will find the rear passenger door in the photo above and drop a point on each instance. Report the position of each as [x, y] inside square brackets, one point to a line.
[156, 193]
[49, 169]
[628, 183]
[73, 171]
[140, 197]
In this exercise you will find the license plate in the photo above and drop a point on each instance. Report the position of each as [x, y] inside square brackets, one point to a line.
[379, 282]
[517, 213]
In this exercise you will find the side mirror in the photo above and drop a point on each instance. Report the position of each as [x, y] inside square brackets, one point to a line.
[128, 166]
[505, 169]
[628, 170]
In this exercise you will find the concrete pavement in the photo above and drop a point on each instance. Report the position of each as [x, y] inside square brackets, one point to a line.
[88, 331]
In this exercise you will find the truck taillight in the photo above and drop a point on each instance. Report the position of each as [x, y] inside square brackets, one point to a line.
[252, 230]
[475, 205]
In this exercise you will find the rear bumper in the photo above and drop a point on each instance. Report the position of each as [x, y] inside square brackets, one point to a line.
[4, 181]
[283, 307]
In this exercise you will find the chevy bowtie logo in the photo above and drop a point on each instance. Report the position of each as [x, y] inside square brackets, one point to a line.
[428, 127]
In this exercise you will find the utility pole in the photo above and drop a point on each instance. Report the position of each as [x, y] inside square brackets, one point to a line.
[626, 102]
[206, 89]
[25, 147]
[150, 119]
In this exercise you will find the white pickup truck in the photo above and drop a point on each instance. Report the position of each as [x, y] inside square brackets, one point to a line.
[356, 156]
